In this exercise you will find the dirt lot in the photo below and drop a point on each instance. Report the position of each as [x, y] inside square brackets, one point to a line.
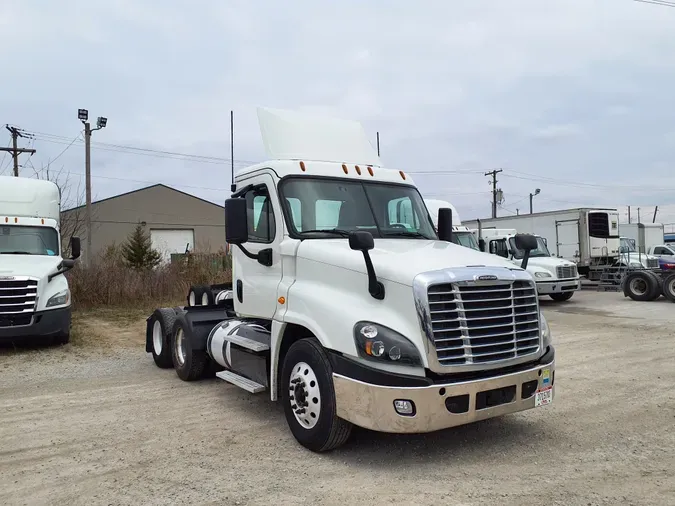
[95, 422]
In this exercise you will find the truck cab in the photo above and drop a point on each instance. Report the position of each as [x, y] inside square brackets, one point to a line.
[352, 312]
[461, 234]
[555, 277]
[34, 294]
[629, 256]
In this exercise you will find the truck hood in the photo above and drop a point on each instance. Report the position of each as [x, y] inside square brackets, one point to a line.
[636, 257]
[546, 263]
[37, 266]
[399, 260]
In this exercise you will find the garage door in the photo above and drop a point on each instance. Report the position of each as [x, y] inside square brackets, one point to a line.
[172, 241]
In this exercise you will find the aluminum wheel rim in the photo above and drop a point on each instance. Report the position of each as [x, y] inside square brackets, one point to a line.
[191, 300]
[305, 397]
[157, 337]
[205, 299]
[671, 287]
[180, 346]
[638, 286]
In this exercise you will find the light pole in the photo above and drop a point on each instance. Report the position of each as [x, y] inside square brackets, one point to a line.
[536, 192]
[101, 122]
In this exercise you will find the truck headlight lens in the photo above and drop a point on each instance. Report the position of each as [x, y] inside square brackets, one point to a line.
[545, 331]
[375, 342]
[60, 299]
[542, 274]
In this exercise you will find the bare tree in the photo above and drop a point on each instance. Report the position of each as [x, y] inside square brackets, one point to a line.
[73, 199]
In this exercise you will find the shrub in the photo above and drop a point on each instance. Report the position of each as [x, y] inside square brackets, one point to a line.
[138, 252]
[110, 282]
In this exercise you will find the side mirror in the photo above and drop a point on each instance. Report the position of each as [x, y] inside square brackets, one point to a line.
[445, 224]
[361, 240]
[75, 248]
[236, 228]
[526, 242]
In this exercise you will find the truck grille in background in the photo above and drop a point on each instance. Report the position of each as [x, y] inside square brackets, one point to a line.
[652, 263]
[475, 324]
[17, 298]
[566, 271]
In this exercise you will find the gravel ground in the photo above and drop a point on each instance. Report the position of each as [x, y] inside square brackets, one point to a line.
[98, 423]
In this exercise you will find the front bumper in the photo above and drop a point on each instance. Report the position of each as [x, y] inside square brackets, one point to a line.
[558, 286]
[54, 322]
[442, 405]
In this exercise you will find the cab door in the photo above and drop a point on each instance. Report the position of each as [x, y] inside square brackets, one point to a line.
[254, 284]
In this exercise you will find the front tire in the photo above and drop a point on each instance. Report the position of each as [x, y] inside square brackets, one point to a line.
[561, 297]
[668, 287]
[309, 398]
[640, 286]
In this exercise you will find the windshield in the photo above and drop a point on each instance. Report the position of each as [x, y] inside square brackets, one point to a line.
[627, 245]
[465, 239]
[323, 208]
[21, 240]
[540, 251]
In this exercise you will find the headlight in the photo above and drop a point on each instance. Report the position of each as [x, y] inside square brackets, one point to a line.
[542, 274]
[375, 342]
[60, 299]
[545, 331]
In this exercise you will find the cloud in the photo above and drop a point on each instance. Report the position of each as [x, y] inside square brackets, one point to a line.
[575, 92]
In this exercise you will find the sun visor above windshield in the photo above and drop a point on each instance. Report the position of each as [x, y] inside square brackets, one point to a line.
[291, 135]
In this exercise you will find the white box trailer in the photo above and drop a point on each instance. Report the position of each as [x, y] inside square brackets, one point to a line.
[645, 235]
[589, 237]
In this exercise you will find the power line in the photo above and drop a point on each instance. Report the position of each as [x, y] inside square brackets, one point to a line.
[657, 2]
[65, 149]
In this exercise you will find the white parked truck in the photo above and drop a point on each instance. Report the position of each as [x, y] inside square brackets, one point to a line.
[589, 237]
[556, 277]
[34, 294]
[360, 319]
[662, 250]
[631, 256]
[643, 235]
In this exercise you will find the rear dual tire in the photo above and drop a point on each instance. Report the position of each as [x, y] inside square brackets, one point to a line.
[668, 287]
[190, 364]
[308, 397]
[200, 295]
[642, 286]
[162, 327]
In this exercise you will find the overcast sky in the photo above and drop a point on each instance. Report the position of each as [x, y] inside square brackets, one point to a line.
[574, 97]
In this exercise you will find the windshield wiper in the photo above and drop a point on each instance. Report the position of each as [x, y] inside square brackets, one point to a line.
[335, 231]
[404, 233]
[15, 253]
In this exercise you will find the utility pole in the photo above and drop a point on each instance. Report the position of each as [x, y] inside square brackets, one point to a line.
[656, 210]
[536, 192]
[83, 116]
[494, 173]
[15, 150]
[378, 143]
[629, 215]
[517, 212]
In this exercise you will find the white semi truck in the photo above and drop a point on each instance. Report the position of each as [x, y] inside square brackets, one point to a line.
[34, 295]
[589, 237]
[555, 277]
[361, 319]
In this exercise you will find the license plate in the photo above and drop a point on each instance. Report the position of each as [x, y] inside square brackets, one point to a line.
[543, 397]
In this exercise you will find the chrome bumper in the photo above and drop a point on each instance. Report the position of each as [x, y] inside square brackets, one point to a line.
[372, 406]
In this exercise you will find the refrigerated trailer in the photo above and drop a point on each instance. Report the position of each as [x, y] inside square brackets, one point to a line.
[587, 236]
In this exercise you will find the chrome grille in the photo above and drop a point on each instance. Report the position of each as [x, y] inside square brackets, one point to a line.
[567, 271]
[18, 296]
[483, 323]
[652, 263]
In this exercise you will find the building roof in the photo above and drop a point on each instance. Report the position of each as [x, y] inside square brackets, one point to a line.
[147, 188]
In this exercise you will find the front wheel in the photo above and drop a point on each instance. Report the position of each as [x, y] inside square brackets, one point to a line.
[561, 297]
[309, 398]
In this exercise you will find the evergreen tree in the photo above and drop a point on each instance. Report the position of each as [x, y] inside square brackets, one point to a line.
[138, 252]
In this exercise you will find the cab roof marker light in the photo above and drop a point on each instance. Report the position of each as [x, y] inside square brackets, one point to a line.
[370, 170]
[344, 169]
[302, 166]
[358, 169]
[402, 174]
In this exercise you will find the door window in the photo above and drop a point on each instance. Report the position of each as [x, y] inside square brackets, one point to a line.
[260, 215]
